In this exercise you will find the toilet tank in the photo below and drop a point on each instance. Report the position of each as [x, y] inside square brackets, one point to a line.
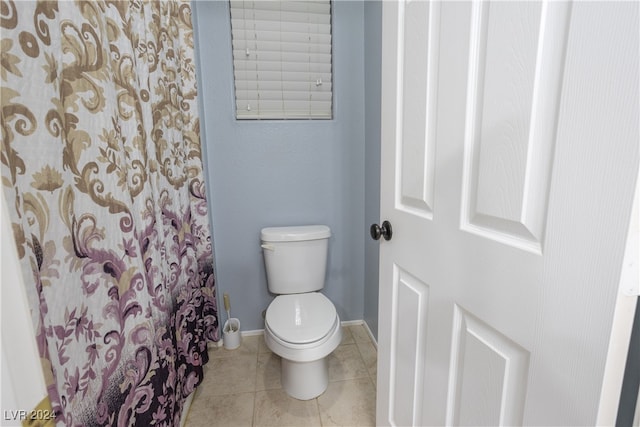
[295, 258]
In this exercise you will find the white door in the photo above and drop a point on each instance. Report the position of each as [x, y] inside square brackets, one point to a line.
[509, 156]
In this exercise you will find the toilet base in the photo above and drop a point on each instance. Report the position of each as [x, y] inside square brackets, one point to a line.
[304, 380]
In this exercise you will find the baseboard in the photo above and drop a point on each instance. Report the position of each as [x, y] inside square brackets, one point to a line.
[352, 322]
[255, 332]
[220, 343]
[252, 333]
[373, 339]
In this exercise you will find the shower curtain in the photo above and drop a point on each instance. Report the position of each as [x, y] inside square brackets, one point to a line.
[102, 171]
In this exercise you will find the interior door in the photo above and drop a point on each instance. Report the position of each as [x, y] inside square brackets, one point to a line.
[510, 151]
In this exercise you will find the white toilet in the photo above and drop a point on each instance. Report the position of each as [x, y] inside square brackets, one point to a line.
[301, 325]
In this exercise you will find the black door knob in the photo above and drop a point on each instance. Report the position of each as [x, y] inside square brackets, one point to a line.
[378, 231]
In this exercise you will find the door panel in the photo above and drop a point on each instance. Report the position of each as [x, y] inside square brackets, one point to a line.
[510, 151]
[516, 62]
[416, 140]
[410, 304]
[488, 375]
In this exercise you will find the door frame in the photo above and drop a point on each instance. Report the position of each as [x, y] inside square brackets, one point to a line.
[623, 323]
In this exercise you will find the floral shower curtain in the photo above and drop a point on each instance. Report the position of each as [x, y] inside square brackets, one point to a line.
[102, 171]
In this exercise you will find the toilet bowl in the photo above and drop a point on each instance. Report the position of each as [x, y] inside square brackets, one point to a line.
[301, 324]
[303, 329]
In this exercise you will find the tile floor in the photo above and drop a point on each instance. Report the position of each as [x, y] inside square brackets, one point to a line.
[242, 387]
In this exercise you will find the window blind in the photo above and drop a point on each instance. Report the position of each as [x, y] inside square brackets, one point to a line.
[282, 59]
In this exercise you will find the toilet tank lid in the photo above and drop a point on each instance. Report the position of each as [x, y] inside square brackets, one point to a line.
[295, 233]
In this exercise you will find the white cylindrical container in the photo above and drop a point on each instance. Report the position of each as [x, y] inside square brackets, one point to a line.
[231, 337]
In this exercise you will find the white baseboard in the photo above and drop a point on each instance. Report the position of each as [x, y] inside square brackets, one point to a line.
[216, 344]
[352, 322]
[252, 332]
[255, 332]
[373, 339]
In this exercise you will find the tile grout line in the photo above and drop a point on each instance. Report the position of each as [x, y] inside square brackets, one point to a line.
[253, 413]
[362, 358]
[255, 385]
[318, 409]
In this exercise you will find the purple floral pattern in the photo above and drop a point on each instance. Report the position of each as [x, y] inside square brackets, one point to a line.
[102, 166]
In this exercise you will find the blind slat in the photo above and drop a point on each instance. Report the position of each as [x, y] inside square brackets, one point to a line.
[292, 6]
[250, 27]
[288, 36]
[291, 67]
[252, 95]
[282, 59]
[285, 79]
[278, 47]
[299, 57]
[283, 16]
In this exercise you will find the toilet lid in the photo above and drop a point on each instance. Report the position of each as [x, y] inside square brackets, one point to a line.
[301, 318]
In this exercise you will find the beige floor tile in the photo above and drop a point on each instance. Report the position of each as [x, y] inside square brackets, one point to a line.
[347, 338]
[262, 346]
[221, 411]
[359, 333]
[348, 403]
[276, 408]
[242, 387]
[346, 363]
[230, 375]
[249, 345]
[369, 357]
[268, 376]
[199, 409]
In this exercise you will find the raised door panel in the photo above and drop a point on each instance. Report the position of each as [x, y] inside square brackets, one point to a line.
[516, 63]
[408, 347]
[418, 46]
[488, 377]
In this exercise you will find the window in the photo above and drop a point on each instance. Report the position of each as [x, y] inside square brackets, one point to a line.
[282, 59]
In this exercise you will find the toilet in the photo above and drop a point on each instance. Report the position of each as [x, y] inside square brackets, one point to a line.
[301, 324]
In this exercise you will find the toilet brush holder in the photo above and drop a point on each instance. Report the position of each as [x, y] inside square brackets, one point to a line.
[231, 330]
[231, 337]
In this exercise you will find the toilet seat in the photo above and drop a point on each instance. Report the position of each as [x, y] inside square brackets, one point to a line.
[301, 318]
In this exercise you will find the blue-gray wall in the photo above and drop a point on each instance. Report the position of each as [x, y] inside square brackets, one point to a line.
[276, 173]
[372, 79]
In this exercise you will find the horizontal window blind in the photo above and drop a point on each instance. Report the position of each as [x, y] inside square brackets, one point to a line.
[282, 59]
